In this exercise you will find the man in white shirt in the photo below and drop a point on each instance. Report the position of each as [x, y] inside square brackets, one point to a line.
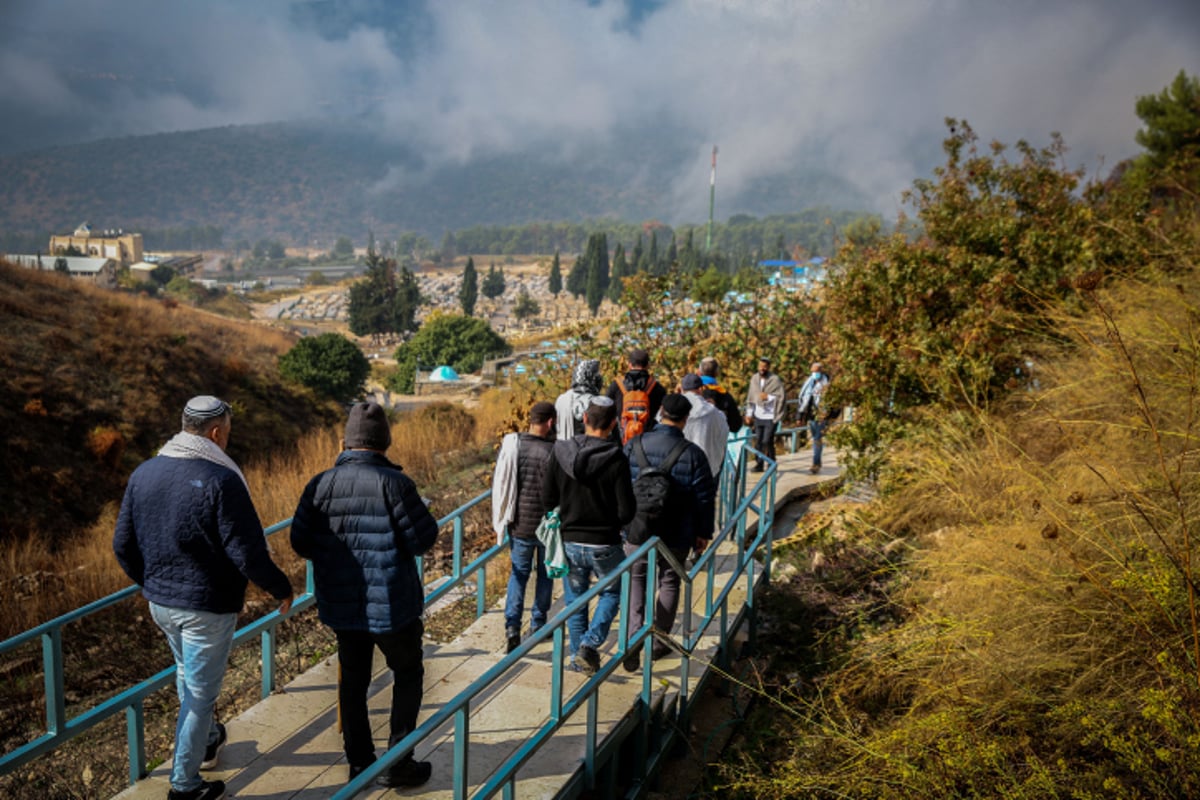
[764, 409]
[706, 425]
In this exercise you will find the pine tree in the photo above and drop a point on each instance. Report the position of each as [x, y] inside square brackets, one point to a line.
[468, 293]
[1172, 121]
[494, 283]
[673, 254]
[638, 259]
[386, 301]
[652, 256]
[556, 284]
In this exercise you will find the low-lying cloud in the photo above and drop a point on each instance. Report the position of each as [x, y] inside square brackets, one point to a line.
[858, 89]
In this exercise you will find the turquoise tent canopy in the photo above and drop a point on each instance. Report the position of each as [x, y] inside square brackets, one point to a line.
[443, 373]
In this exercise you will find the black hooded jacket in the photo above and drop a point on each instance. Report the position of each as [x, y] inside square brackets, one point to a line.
[588, 479]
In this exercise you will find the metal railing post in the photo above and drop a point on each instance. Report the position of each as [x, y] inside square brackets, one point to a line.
[52, 666]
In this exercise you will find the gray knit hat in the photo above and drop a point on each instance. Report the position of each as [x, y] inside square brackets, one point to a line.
[368, 428]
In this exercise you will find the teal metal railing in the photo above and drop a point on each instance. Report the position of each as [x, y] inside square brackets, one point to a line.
[715, 611]
[61, 728]
[735, 504]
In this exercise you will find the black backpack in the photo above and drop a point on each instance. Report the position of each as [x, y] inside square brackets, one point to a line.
[651, 489]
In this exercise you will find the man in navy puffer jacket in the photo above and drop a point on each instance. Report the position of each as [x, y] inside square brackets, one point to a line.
[362, 524]
[188, 534]
[688, 518]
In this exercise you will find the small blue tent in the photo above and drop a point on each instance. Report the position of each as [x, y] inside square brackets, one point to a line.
[443, 374]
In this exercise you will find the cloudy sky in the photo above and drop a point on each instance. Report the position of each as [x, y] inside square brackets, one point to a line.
[857, 87]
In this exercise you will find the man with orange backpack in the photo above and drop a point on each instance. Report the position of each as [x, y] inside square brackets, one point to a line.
[638, 396]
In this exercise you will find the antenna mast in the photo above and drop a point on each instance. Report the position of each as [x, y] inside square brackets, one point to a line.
[712, 196]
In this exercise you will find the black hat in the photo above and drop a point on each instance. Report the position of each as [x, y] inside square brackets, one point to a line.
[691, 382]
[368, 428]
[676, 406]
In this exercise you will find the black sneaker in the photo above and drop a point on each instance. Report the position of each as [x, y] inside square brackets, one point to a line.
[660, 650]
[213, 752]
[633, 661]
[514, 641]
[208, 790]
[409, 772]
[353, 771]
[590, 658]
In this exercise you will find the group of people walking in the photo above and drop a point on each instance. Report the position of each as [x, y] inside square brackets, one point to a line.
[582, 456]
[189, 535]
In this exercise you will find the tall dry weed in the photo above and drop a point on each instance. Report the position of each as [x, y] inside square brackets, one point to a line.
[1050, 647]
[446, 449]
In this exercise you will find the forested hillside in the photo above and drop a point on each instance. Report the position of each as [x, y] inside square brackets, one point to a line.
[307, 185]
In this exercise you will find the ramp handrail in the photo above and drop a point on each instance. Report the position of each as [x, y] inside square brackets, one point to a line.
[503, 778]
[60, 728]
[732, 512]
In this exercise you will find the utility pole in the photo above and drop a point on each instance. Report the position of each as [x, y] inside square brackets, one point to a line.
[712, 197]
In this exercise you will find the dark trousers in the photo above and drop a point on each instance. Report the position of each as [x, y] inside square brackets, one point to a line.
[666, 594]
[764, 439]
[403, 652]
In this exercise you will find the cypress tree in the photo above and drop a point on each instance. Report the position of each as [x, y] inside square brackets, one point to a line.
[469, 292]
[620, 269]
[577, 277]
[638, 261]
[555, 276]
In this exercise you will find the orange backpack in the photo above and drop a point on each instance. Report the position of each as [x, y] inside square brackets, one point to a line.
[635, 411]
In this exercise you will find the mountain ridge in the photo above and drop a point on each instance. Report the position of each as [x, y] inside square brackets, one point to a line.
[308, 183]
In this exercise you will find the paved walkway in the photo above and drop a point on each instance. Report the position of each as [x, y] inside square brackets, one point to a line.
[287, 747]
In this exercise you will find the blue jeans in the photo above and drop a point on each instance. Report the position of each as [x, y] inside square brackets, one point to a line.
[523, 554]
[200, 642]
[816, 431]
[584, 561]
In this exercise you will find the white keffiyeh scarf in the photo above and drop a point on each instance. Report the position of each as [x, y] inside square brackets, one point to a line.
[189, 445]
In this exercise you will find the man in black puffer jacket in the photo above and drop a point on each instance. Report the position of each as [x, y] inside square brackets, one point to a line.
[688, 517]
[362, 524]
[588, 479]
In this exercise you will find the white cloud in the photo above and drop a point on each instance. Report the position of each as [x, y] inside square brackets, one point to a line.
[859, 88]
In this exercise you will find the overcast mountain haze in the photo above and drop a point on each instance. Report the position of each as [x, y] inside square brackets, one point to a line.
[403, 115]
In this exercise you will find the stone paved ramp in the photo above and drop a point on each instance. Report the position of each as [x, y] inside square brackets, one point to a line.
[287, 747]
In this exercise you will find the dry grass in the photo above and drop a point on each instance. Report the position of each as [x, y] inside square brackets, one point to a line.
[91, 383]
[1050, 640]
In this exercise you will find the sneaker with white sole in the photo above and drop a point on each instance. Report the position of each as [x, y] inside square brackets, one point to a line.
[208, 790]
[212, 753]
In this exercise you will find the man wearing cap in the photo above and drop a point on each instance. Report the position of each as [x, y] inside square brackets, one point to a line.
[706, 426]
[362, 524]
[517, 509]
[689, 514]
[764, 409]
[588, 480]
[188, 534]
[716, 394]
